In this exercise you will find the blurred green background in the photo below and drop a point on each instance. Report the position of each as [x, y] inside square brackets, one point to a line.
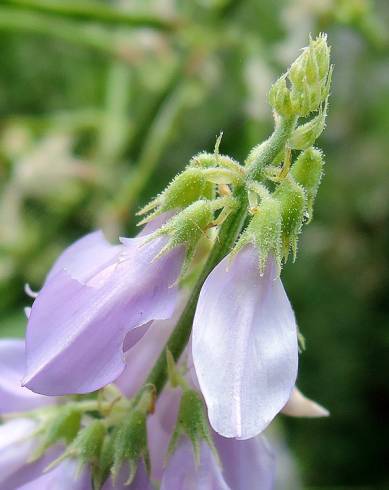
[101, 103]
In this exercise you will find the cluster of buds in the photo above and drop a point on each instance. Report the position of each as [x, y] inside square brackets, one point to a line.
[310, 80]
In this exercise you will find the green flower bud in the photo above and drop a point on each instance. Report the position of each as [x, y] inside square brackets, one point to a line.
[130, 444]
[305, 135]
[310, 76]
[186, 188]
[264, 232]
[308, 171]
[62, 425]
[279, 97]
[193, 423]
[186, 227]
[292, 199]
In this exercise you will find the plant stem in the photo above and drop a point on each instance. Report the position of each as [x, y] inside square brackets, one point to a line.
[228, 233]
[96, 11]
[265, 153]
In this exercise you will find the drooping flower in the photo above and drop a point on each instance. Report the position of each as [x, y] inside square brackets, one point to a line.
[244, 345]
[95, 294]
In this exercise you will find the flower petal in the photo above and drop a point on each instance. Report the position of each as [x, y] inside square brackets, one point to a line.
[182, 473]
[62, 477]
[244, 346]
[16, 446]
[300, 406]
[75, 333]
[246, 464]
[85, 256]
[14, 398]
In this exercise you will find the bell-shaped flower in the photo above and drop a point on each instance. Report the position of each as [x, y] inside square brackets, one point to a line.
[94, 296]
[244, 345]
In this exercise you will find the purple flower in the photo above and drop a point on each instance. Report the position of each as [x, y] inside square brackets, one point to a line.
[14, 398]
[17, 443]
[244, 345]
[243, 465]
[84, 317]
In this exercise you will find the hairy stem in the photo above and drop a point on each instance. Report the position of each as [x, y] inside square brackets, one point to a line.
[228, 233]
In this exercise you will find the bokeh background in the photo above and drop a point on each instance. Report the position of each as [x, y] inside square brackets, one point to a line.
[101, 103]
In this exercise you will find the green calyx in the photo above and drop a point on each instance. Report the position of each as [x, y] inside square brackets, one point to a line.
[308, 171]
[292, 199]
[62, 425]
[263, 232]
[192, 423]
[191, 224]
[130, 444]
[185, 189]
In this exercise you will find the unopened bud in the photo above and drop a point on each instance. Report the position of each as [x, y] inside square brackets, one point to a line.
[186, 188]
[310, 76]
[279, 97]
[308, 171]
[293, 202]
[305, 135]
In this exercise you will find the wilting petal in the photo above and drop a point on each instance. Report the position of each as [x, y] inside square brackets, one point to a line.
[244, 346]
[300, 406]
[16, 446]
[246, 464]
[62, 477]
[76, 329]
[14, 398]
[182, 473]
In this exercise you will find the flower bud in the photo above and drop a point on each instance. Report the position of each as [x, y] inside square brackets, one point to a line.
[310, 76]
[63, 425]
[279, 97]
[307, 171]
[264, 232]
[192, 422]
[130, 444]
[186, 188]
[292, 199]
[306, 134]
[187, 227]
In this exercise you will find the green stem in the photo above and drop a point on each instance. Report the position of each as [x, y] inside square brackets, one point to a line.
[95, 11]
[265, 153]
[228, 233]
